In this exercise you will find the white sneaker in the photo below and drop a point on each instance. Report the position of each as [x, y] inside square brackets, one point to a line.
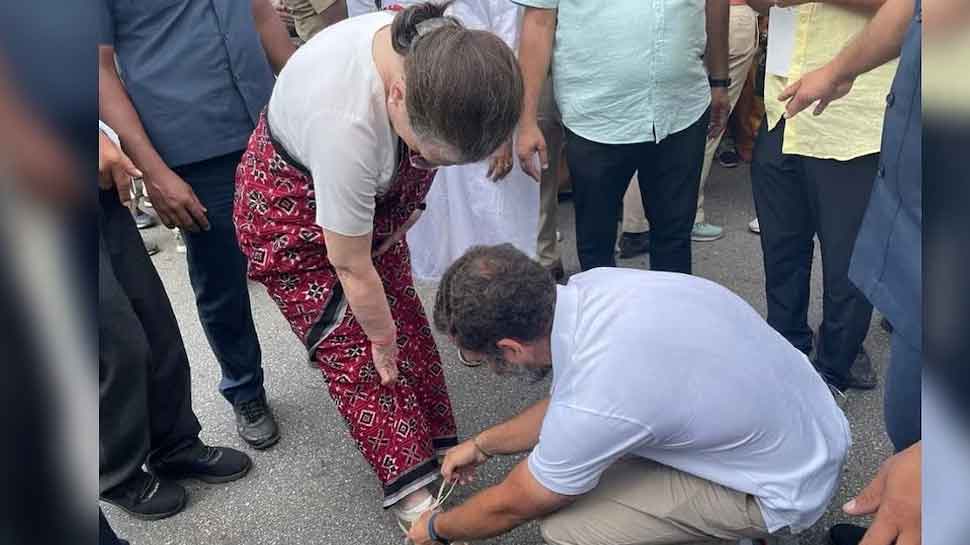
[407, 517]
[755, 227]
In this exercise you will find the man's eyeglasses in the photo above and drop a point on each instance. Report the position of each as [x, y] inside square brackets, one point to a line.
[418, 161]
[467, 362]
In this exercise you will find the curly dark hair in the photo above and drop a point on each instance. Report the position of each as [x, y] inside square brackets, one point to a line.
[493, 293]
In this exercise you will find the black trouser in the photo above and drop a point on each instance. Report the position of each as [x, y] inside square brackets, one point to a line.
[145, 394]
[797, 198]
[669, 172]
[217, 270]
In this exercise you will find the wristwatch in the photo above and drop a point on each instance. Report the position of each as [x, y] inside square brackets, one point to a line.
[719, 82]
[433, 534]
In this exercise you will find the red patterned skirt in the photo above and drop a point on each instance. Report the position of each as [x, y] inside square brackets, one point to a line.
[400, 429]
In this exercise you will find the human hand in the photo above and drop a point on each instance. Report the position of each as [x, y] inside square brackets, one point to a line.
[894, 496]
[822, 86]
[530, 141]
[720, 111]
[390, 241]
[460, 462]
[174, 201]
[418, 535]
[385, 360]
[501, 163]
[115, 169]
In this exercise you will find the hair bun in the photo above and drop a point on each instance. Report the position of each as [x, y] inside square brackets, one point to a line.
[415, 21]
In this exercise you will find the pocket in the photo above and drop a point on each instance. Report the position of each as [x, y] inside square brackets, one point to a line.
[329, 320]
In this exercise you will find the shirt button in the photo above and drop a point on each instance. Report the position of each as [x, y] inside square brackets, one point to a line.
[882, 171]
[890, 99]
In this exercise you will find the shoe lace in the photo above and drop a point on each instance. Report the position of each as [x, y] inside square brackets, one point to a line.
[444, 492]
[253, 409]
[149, 488]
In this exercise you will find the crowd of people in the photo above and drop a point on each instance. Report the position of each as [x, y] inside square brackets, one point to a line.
[378, 141]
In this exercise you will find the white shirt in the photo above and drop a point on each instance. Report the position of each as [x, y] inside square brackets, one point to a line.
[329, 112]
[679, 370]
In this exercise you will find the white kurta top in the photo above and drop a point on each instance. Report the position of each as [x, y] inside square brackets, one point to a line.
[464, 207]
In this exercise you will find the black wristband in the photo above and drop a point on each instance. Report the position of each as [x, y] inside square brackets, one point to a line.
[719, 82]
[433, 534]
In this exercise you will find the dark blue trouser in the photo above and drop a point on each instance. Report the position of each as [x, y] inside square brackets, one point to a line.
[217, 270]
[798, 198]
[903, 395]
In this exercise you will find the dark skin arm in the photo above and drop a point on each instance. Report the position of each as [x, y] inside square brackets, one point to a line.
[716, 58]
[272, 32]
[535, 53]
[173, 199]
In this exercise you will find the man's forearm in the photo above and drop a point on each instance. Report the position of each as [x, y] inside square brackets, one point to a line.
[718, 27]
[496, 510]
[535, 52]
[116, 109]
[878, 43]
[516, 435]
[273, 34]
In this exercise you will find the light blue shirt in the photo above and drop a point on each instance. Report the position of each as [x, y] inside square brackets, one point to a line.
[628, 71]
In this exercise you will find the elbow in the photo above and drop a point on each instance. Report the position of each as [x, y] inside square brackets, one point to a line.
[353, 271]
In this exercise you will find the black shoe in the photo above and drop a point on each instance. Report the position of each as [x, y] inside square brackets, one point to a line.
[255, 423]
[144, 220]
[147, 498]
[207, 464]
[846, 534]
[862, 376]
[729, 159]
[634, 244]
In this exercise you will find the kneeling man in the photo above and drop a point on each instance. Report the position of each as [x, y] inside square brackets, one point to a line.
[676, 413]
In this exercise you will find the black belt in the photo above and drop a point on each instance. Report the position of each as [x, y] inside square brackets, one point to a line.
[281, 151]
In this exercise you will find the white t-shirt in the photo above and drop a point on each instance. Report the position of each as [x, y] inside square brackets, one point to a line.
[329, 112]
[680, 370]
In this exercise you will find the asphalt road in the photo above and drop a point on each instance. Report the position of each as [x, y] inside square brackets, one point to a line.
[314, 488]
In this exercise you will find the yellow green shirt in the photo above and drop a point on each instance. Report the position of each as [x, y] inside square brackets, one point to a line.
[850, 127]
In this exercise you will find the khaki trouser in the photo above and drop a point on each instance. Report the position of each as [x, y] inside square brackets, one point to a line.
[641, 502]
[743, 39]
[547, 247]
[312, 16]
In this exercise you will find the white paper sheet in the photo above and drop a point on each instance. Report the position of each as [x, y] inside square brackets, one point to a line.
[781, 40]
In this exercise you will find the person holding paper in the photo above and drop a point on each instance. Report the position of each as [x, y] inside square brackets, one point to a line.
[812, 176]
